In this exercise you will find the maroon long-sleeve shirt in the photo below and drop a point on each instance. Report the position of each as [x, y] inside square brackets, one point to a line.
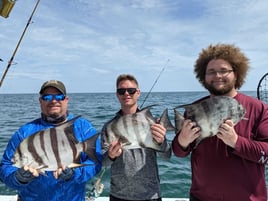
[220, 172]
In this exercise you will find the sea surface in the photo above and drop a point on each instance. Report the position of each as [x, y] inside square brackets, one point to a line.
[175, 174]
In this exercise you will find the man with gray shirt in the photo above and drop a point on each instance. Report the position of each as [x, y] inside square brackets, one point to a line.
[134, 172]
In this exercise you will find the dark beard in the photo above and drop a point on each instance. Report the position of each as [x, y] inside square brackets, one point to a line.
[218, 92]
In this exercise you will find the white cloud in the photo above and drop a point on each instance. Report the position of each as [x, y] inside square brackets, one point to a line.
[94, 41]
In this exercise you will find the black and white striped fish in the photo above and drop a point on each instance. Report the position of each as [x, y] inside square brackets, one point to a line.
[133, 130]
[210, 113]
[49, 149]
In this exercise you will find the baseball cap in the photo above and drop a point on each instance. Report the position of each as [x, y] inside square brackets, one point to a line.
[53, 83]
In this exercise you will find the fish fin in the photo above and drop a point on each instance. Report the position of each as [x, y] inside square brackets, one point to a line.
[90, 149]
[125, 144]
[178, 121]
[165, 121]
[69, 130]
[148, 107]
[197, 141]
[29, 164]
[75, 165]
[184, 105]
[42, 172]
[69, 122]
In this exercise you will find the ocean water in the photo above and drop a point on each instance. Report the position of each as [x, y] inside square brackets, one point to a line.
[175, 174]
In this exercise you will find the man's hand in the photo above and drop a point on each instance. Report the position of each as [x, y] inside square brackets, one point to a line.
[26, 174]
[115, 150]
[188, 133]
[227, 133]
[64, 173]
[158, 133]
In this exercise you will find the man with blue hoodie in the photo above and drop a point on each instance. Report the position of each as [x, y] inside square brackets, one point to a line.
[66, 183]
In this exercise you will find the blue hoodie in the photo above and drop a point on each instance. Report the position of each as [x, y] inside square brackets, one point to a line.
[47, 188]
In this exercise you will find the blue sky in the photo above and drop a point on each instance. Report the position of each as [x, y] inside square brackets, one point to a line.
[88, 43]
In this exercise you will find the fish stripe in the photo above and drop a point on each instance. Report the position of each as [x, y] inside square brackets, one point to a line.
[33, 151]
[20, 152]
[54, 145]
[143, 124]
[71, 140]
[42, 143]
[115, 129]
[125, 124]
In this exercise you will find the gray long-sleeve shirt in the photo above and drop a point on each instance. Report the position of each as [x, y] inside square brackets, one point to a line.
[134, 174]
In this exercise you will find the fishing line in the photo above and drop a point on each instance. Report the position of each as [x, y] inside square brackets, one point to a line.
[262, 89]
[18, 44]
[154, 83]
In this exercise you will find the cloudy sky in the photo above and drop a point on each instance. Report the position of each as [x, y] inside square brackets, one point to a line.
[88, 43]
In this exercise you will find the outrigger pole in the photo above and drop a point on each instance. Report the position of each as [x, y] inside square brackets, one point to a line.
[18, 44]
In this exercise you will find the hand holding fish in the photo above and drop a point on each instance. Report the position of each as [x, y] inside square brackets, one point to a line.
[188, 133]
[115, 149]
[26, 174]
[65, 173]
[227, 133]
[158, 133]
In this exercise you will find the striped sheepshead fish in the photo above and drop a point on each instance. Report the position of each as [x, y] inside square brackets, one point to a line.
[209, 114]
[133, 130]
[50, 149]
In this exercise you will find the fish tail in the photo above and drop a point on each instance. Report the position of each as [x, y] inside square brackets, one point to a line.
[90, 148]
[178, 121]
[165, 121]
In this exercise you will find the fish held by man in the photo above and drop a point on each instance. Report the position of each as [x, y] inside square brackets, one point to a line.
[50, 149]
[134, 130]
[209, 114]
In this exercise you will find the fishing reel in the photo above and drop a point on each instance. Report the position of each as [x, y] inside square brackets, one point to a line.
[97, 189]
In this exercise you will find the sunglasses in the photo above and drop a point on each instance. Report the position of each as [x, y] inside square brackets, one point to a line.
[122, 91]
[50, 97]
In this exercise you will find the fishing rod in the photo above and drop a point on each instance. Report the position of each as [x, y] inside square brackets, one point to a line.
[97, 188]
[154, 83]
[18, 44]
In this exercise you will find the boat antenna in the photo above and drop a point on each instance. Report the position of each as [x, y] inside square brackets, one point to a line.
[154, 83]
[18, 44]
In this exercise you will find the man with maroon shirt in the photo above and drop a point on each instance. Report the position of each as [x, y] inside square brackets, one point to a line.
[231, 165]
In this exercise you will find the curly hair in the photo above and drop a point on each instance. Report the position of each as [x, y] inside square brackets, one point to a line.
[227, 52]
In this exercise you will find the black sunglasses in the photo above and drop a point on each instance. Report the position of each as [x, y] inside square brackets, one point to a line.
[122, 91]
[50, 97]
